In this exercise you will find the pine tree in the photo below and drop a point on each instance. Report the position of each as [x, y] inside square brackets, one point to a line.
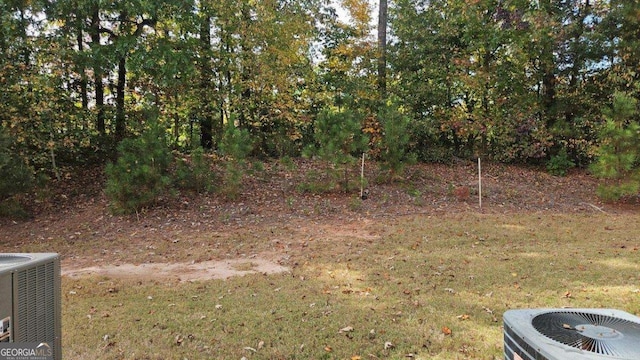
[194, 173]
[338, 137]
[235, 146]
[395, 139]
[140, 175]
[619, 152]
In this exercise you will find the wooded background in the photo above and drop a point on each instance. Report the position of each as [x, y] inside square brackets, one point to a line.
[508, 80]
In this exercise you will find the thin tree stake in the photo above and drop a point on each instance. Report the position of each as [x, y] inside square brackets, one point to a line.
[479, 184]
[362, 178]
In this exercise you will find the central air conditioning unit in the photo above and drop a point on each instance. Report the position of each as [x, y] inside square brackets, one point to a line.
[576, 334]
[30, 300]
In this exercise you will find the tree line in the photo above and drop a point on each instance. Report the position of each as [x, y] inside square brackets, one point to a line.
[520, 81]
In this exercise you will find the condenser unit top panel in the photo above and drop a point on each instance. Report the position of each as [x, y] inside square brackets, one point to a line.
[13, 259]
[603, 334]
[11, 262]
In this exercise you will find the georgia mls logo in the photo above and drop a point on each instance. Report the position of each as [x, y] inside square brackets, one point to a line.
[26, 351]
[44, 348]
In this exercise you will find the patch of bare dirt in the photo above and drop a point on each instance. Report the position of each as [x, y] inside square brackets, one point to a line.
[208, 234]
[180, 272]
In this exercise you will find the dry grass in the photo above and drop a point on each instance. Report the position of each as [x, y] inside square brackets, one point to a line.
[433, 287]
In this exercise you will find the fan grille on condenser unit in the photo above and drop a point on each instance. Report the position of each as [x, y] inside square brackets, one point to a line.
[598, 333]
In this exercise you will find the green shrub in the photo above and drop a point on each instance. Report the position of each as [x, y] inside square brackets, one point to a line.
[194, 173]
[316, 182]
[395, 139]
[140, 175]
[338, 138]
[11, 208]
[619, 152]
[619, 190]
[559, 164]
[235, 146]
[426, 145]
[15, 175]
[287, 163]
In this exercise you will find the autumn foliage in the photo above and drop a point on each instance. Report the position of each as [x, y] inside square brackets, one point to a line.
[510, 81]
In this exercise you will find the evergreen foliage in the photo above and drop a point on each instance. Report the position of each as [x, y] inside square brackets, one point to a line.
[619, 153]
[395, 140]
[15, 175]
[194, 173]
[339, 140]
[236, 145]
[559, 164]
[140, 175]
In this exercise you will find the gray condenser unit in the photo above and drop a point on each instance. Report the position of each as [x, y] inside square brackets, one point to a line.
[30, 300]
[577, 334]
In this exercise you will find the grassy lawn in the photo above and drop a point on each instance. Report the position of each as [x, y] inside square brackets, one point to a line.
[426, 287]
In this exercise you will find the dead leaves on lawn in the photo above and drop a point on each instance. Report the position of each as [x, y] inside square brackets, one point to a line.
[346, 329]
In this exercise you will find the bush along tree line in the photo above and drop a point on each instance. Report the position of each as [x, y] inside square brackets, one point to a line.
[140, 84]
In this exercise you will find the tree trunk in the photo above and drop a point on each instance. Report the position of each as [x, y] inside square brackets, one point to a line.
[84, 96]
[97, 72]
[26, 46]
[245, 112]
[548, 66]
[578, 53]
[206, 116]
[120, 88]
[382, 48]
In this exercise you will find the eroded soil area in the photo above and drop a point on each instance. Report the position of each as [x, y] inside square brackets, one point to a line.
[206, 270]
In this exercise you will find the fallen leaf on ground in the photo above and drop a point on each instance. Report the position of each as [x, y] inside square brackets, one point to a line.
[346, 329]
[446, 330]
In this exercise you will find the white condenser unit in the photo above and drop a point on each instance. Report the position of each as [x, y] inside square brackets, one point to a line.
[30, 300]
[571, 334]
